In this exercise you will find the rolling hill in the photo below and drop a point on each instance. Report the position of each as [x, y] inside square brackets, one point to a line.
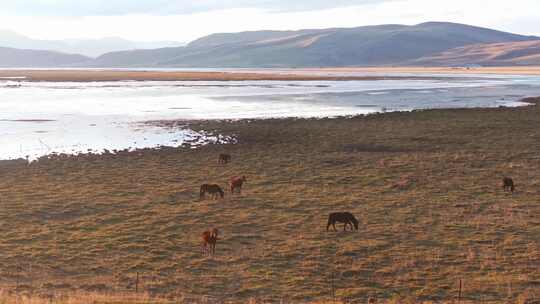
[361, 46]
[431, 43]
[494, 54]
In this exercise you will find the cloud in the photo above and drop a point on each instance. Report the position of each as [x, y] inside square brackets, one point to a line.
[161, 7]
[139, 20]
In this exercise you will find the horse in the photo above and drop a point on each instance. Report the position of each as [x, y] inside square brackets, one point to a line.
[236, 183]
[210, 238]
[214, 190]
[343, 217]
[224, 158]
[508, 184]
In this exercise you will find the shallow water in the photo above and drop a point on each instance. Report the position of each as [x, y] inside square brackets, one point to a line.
[39, 118]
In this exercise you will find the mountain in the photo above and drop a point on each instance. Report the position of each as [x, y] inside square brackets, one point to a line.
[361, 46]
[494, 54]
[431, 43]
[10, 57]
[87, 47]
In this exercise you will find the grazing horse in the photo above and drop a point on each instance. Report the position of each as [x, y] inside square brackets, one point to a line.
[343, 217]
[214, 190]
[210, 238]
[236, 183]
[508, 184]
[224, 158]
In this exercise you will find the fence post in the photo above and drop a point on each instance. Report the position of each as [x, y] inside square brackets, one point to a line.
[460, 290]
[333, 287]
[137, 283]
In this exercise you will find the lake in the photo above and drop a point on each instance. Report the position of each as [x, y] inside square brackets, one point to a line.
[39, 118]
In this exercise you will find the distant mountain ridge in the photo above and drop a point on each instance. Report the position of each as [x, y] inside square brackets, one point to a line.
[10, 57]
[361, 46]
[380, 45]
[86, 47]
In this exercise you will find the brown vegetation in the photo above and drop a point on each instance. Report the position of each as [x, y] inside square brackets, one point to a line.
[524, 53]
[121, 75]
[89, 224]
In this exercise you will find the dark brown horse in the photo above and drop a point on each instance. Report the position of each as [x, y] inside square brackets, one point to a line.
[224, 158]
[236, 183]
[342, 217]
[209, 240]
[214, 190]
[508, 184]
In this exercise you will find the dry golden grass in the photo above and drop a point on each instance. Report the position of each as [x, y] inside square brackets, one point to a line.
[120, 75]
[497, 70]
[425, 186]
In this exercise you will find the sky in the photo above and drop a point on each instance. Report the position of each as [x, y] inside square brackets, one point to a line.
[187, 20]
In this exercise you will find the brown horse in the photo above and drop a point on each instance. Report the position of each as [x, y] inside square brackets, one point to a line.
[224, 158]
[210, 238]
[508, 184]
[214, 190]
[343, 217]
[236, 183]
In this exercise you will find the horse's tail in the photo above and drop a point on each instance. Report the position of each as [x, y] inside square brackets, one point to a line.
[202, 191]
[215, 233]
[330, 222]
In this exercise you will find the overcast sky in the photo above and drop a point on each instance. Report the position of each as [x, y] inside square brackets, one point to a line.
[186, 20]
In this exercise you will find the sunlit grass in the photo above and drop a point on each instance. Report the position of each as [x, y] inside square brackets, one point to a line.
[424, 185]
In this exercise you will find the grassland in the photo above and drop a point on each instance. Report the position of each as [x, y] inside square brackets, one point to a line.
[90, 75]
[494, 70]
[349, 73]
[425, 186]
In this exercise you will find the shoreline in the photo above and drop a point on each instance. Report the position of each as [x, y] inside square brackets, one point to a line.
[205, 126]
[115, 75]
[292, 74]
[503, 70]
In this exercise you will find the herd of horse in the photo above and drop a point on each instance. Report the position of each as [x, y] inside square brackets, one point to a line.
[210, 237]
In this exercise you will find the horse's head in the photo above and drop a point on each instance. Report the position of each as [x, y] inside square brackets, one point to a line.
[215, 232]
[221, 192]
[244, 178]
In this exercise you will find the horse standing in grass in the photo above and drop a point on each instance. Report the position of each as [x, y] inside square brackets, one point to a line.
[210, 238]
[214, 190]
[342, 217]
[236, 184]
[508, 184]
[224, 159]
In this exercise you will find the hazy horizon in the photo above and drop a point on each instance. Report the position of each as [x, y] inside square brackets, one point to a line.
[186, 21]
